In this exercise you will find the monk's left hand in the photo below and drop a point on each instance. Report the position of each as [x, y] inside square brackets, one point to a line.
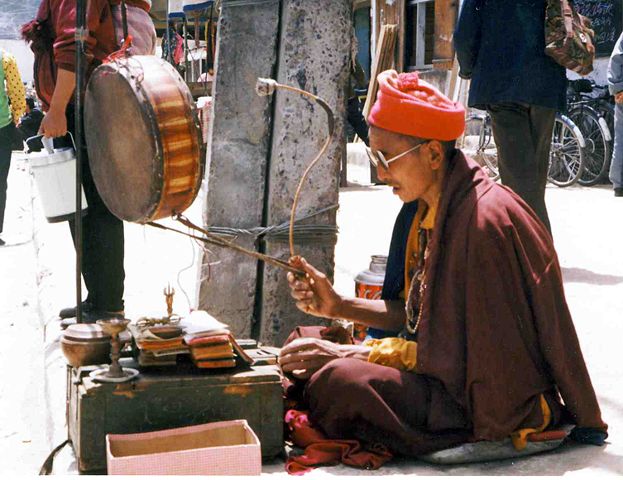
[305, 356]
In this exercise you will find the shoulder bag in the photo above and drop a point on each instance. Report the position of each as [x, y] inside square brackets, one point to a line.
[569, 38]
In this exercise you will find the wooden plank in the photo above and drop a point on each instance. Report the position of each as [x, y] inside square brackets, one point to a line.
[383, 60]
[392, 12]
[420, 35]
[399, 15]
[446, 13]
[453, 81]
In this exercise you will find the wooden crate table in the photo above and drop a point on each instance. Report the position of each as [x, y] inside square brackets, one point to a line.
[168, 398]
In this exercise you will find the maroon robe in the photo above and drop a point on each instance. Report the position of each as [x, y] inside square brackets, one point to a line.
[495, 334]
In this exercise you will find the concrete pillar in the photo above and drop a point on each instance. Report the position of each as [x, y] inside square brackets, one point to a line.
[314, 54]
[238, 149]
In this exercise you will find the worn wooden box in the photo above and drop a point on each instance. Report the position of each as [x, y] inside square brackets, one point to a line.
[168, 399]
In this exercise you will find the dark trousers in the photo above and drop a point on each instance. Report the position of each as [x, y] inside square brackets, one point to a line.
[5, 165]
[523, 135]
[356, 120]
[102, 243]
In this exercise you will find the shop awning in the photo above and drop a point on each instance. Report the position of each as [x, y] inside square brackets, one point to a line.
[182, 8]
[194, 5]
[176, 8]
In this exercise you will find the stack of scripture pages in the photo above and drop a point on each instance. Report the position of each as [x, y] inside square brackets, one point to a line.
[211, 343]
[154, 350]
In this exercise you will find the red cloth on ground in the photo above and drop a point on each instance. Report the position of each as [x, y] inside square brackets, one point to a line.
[319, 450]
[405, 104]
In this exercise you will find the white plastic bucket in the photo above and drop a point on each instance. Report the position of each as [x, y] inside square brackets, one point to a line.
[55, 176]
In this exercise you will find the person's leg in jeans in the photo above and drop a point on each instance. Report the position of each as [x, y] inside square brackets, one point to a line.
[102, 246]
[103, 250]
[5, 165]
[523, 136]
[616, 166]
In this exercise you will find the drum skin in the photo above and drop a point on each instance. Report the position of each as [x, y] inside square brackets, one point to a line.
[143, 138]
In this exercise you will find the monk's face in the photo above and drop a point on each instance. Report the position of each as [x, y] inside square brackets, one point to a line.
[415, 175]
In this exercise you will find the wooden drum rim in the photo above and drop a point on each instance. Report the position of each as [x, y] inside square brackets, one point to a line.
[163, 209]
[170, 117]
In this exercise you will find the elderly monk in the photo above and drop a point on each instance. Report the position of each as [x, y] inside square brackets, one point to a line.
[485, 347]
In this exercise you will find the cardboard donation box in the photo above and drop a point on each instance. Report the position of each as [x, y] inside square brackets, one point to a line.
[219, 448]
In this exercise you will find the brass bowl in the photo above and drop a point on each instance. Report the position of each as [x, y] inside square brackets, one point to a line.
[79, 354]
[166, 331]
[113, 326]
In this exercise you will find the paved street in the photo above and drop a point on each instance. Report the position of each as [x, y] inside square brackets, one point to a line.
[37, 280]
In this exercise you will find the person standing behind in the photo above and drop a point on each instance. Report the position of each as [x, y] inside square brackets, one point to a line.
[31, 121]
[12, 92]
[500, 46]
[53, 40]
[357, 81]
[615, 84]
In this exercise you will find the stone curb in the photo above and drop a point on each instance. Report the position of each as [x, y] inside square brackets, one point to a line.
[45, 237]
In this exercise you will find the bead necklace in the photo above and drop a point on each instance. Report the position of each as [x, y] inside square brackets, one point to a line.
[420, 275]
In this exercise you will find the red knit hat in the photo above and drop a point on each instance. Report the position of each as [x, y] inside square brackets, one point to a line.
[405, 104]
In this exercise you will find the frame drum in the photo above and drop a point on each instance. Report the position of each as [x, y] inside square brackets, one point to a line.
[143, 138]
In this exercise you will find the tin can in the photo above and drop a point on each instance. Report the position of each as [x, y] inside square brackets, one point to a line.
[369, 284]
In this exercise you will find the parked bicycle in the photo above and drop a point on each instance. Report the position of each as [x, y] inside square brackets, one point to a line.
[566, 160]
[604, 104]
[589, 112]
[566, 157]
[478, 143]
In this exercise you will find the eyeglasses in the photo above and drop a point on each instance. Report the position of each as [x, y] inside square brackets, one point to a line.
[378, 157]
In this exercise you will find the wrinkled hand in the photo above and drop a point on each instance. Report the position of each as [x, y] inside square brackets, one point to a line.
[314, 294]
[54, 124]
[618, 98]
[305, 356]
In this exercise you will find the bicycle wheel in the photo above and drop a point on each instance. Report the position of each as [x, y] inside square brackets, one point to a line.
[606, 110]
[566, 158]
[477, 143]
[597, 149]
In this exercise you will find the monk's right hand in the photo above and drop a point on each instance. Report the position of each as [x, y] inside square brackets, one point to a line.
[313, 293]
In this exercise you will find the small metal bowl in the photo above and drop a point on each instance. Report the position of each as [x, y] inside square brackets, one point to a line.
[85, 332]
[80, 353]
